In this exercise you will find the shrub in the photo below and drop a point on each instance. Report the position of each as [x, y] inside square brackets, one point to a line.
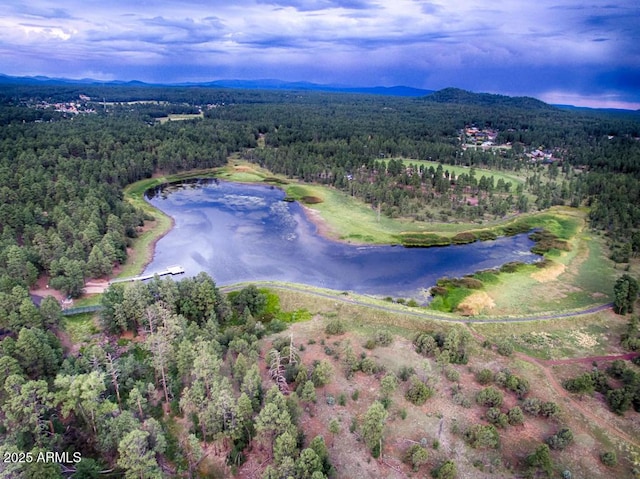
[322, 373]
[355, 395]
[482, 436]
[484, 376]
[490, 397]
[505, 348]
[549, 409]
[470, 283]
[461, 400]
[354, 425]
[406, 372]
[416, 456]
[515, 416]
[370, 344]
[445, 471]
[311, 200]
[486, 235]
[516, 228]
[335, 327]
[561, 439]
[383, 338]
[511, 382]
[452, 375]
[582, 384]
[531, 406]
[496, 417]
[425, 344]
[388, 384]
[617, 369]
[609, 458]
[438, 291]
[511, 267]
[369, 366]
[464, 238]
[424, 239]
[620, 400]
[418, 392]
[541, 459]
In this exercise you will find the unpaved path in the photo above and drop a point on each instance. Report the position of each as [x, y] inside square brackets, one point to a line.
[545, 365]
[577, 405]
[425, 314]
[591, 359]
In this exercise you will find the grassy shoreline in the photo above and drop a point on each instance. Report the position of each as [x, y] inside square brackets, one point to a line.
[342, 218]
[335, 214]
[143, 247]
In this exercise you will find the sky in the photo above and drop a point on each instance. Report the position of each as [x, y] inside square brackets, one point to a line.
[584, 53]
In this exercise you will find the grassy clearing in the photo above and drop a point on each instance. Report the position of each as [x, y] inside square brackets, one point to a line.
[355, 307]
[497, 175]
[88, 300]
[569, 280]
[590, 335]
[450, 301]
[180, 117]
[80, 327]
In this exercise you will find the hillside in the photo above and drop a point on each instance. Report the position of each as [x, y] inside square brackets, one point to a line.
[463, 97]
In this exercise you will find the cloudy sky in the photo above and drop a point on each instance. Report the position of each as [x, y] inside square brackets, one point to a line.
[561, 51]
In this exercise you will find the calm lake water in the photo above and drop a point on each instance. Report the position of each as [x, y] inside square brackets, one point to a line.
[239, 232]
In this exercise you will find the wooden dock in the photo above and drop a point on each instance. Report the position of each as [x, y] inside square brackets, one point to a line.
[171, 270]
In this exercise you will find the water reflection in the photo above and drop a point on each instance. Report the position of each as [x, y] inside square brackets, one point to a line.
[238, 232]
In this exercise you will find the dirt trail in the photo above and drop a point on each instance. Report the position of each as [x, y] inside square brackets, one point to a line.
[585, 411]
[591, 359]
[544, 366]
[422, 313]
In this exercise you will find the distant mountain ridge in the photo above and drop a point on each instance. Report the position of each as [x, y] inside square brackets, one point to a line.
[308, 86]
[447, 95]
[266, 84]
[456, 95]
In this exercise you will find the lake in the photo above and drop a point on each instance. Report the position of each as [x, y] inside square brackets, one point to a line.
[245, 232]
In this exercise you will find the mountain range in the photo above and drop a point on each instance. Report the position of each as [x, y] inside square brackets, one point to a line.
[447, 95]
[265, 84]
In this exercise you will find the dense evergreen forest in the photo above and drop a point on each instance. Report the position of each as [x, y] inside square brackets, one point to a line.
[63, 164]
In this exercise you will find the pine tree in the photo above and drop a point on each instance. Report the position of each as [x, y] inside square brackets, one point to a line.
[373, 427]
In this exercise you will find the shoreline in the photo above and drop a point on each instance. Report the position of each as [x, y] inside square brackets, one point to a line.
[324, 229]
[151, 247]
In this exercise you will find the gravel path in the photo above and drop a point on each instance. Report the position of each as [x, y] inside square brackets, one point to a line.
[428, 315]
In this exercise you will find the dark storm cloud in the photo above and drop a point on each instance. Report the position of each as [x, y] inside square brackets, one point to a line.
[548, 48]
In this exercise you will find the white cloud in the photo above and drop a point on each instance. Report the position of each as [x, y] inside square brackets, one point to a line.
[607, 100]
